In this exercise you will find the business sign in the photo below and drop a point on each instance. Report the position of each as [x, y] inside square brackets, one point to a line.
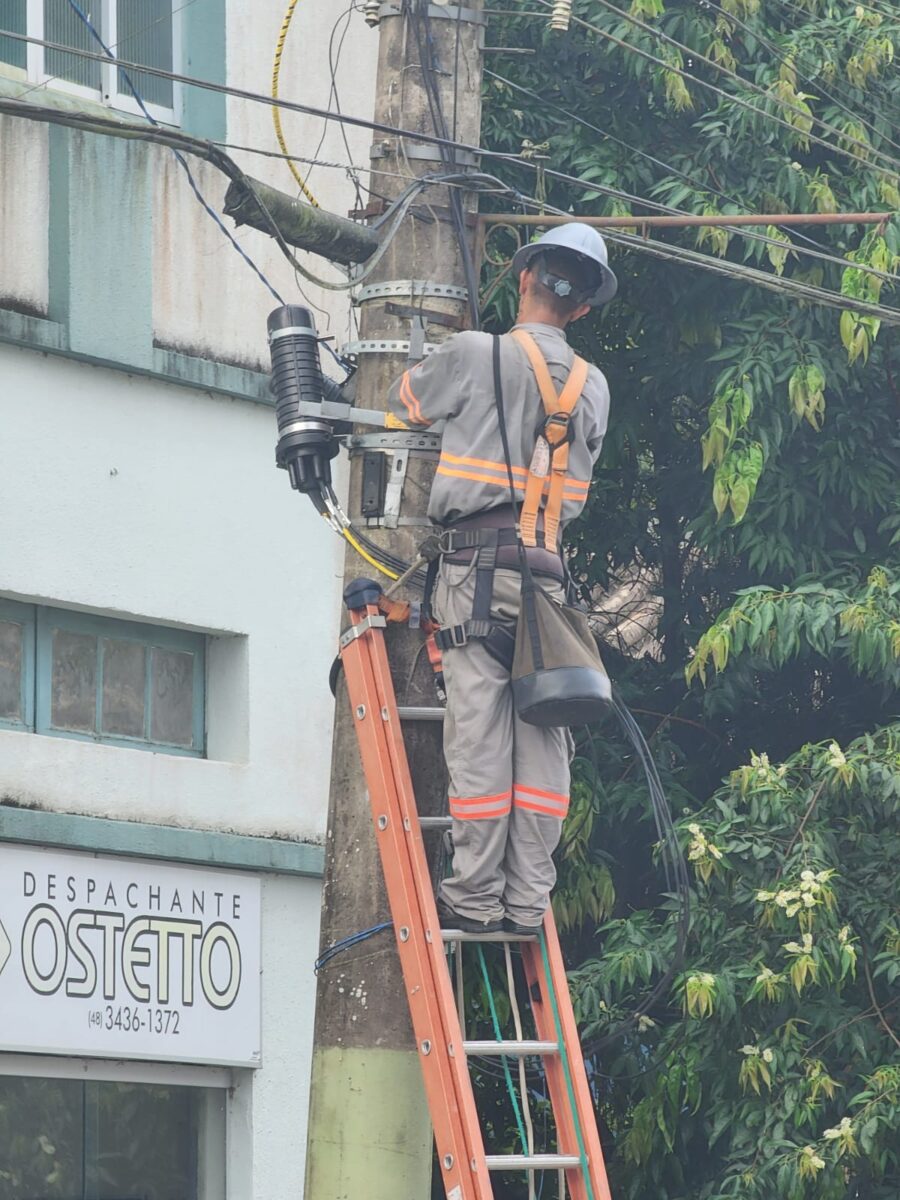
[122, 958]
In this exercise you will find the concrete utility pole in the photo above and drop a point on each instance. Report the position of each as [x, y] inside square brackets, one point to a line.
[369, 1133]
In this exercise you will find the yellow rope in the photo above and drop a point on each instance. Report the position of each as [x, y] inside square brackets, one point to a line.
[276, 111]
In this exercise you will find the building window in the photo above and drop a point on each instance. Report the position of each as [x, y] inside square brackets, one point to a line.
[72, 674]
[70, 1139]
[138, 31]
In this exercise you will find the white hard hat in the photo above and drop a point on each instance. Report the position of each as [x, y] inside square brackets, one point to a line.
[579, 239]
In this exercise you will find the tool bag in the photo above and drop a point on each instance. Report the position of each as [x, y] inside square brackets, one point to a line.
[557, 674]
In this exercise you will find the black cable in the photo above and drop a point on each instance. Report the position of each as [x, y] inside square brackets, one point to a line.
[348, 943]
[380, 127]
[425, 42]
[108, 56]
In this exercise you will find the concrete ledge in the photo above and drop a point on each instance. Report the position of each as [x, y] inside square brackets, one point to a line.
[39, 333]
[199, 846]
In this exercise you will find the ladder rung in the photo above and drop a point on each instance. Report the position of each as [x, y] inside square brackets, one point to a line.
[457, 935]
[435, 822]
[531, 1162]
[407, 713]
[511, 1049]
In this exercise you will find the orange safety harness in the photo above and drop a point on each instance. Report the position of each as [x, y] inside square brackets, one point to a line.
[551, 452]
[546, 478]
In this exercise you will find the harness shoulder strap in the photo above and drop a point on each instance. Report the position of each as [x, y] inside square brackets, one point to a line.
[556, 405]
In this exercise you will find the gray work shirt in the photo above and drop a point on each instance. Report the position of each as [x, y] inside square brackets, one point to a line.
[453, 388]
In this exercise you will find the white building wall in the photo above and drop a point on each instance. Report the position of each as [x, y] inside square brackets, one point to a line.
[202, 292]
[141, 499]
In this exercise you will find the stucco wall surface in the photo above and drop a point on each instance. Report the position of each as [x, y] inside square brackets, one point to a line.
[202, 291]
[137, 499]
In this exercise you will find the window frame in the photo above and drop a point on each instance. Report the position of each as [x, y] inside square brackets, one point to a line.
[112, 628]
[108, 93]
[39, 621]
[25, 615]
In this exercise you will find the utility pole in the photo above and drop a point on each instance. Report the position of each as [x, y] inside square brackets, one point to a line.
[369, 1132]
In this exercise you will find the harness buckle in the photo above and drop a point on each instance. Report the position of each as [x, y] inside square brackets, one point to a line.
[563, 419]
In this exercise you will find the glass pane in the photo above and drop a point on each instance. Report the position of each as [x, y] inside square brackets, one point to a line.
[70, 1140]
[144, 35]
[12, 16]
[63, 25]
[11, 671]
[172, 690]
[73, 689]
[41, 1127]
[124, 674]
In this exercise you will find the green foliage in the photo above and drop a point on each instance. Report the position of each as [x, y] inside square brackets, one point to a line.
[750, 474]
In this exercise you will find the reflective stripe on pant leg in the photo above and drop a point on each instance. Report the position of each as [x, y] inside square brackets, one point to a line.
[478, 741]
[540, 802]
[476, 808]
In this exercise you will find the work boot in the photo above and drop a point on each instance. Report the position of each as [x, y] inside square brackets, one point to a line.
[452, 920]
[511, 926]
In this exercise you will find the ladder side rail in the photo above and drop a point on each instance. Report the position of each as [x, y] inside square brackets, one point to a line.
[564, 1117]
[448, 1088]
[584, 1104]
[424, 888]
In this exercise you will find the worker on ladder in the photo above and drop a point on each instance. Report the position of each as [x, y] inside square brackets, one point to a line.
[509, 781]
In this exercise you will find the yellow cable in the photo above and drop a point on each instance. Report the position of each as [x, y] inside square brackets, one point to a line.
[276, 111]
[368, 557]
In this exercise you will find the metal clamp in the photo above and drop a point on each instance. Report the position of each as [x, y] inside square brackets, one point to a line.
[461, 158]
[450, 12]
[363, 626]
[393, 493]
[395, 441]
[400, 523]
[385, 347]
[413, 288]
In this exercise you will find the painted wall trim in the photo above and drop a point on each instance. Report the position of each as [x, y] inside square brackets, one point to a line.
[202, 847]
[186, 370]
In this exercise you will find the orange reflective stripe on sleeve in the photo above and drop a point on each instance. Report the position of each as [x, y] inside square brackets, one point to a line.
[410, 401]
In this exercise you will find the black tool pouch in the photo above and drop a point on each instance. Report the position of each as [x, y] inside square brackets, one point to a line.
[557, 674]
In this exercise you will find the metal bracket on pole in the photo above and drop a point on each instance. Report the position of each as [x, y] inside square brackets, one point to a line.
[449, 12]
[387, 147]
[386, 347]
[410, 442]
[417, 339]
[415, 289]
[393, 493]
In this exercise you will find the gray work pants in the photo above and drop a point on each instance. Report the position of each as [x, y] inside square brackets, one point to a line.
[509, 782]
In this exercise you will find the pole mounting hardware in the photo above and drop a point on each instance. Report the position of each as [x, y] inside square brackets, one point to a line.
[388, 146]
[430, 315]
[448, 12]
[415, 289]
[386, 346]
[395, 441]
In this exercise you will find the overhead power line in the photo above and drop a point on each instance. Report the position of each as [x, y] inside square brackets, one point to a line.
[707, 189]
[785, 61]
[430, 138]
[739, 100]
[210, 211]
[174, 139]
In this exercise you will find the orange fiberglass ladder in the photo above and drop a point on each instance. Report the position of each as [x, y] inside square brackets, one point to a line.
[443, 1052]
